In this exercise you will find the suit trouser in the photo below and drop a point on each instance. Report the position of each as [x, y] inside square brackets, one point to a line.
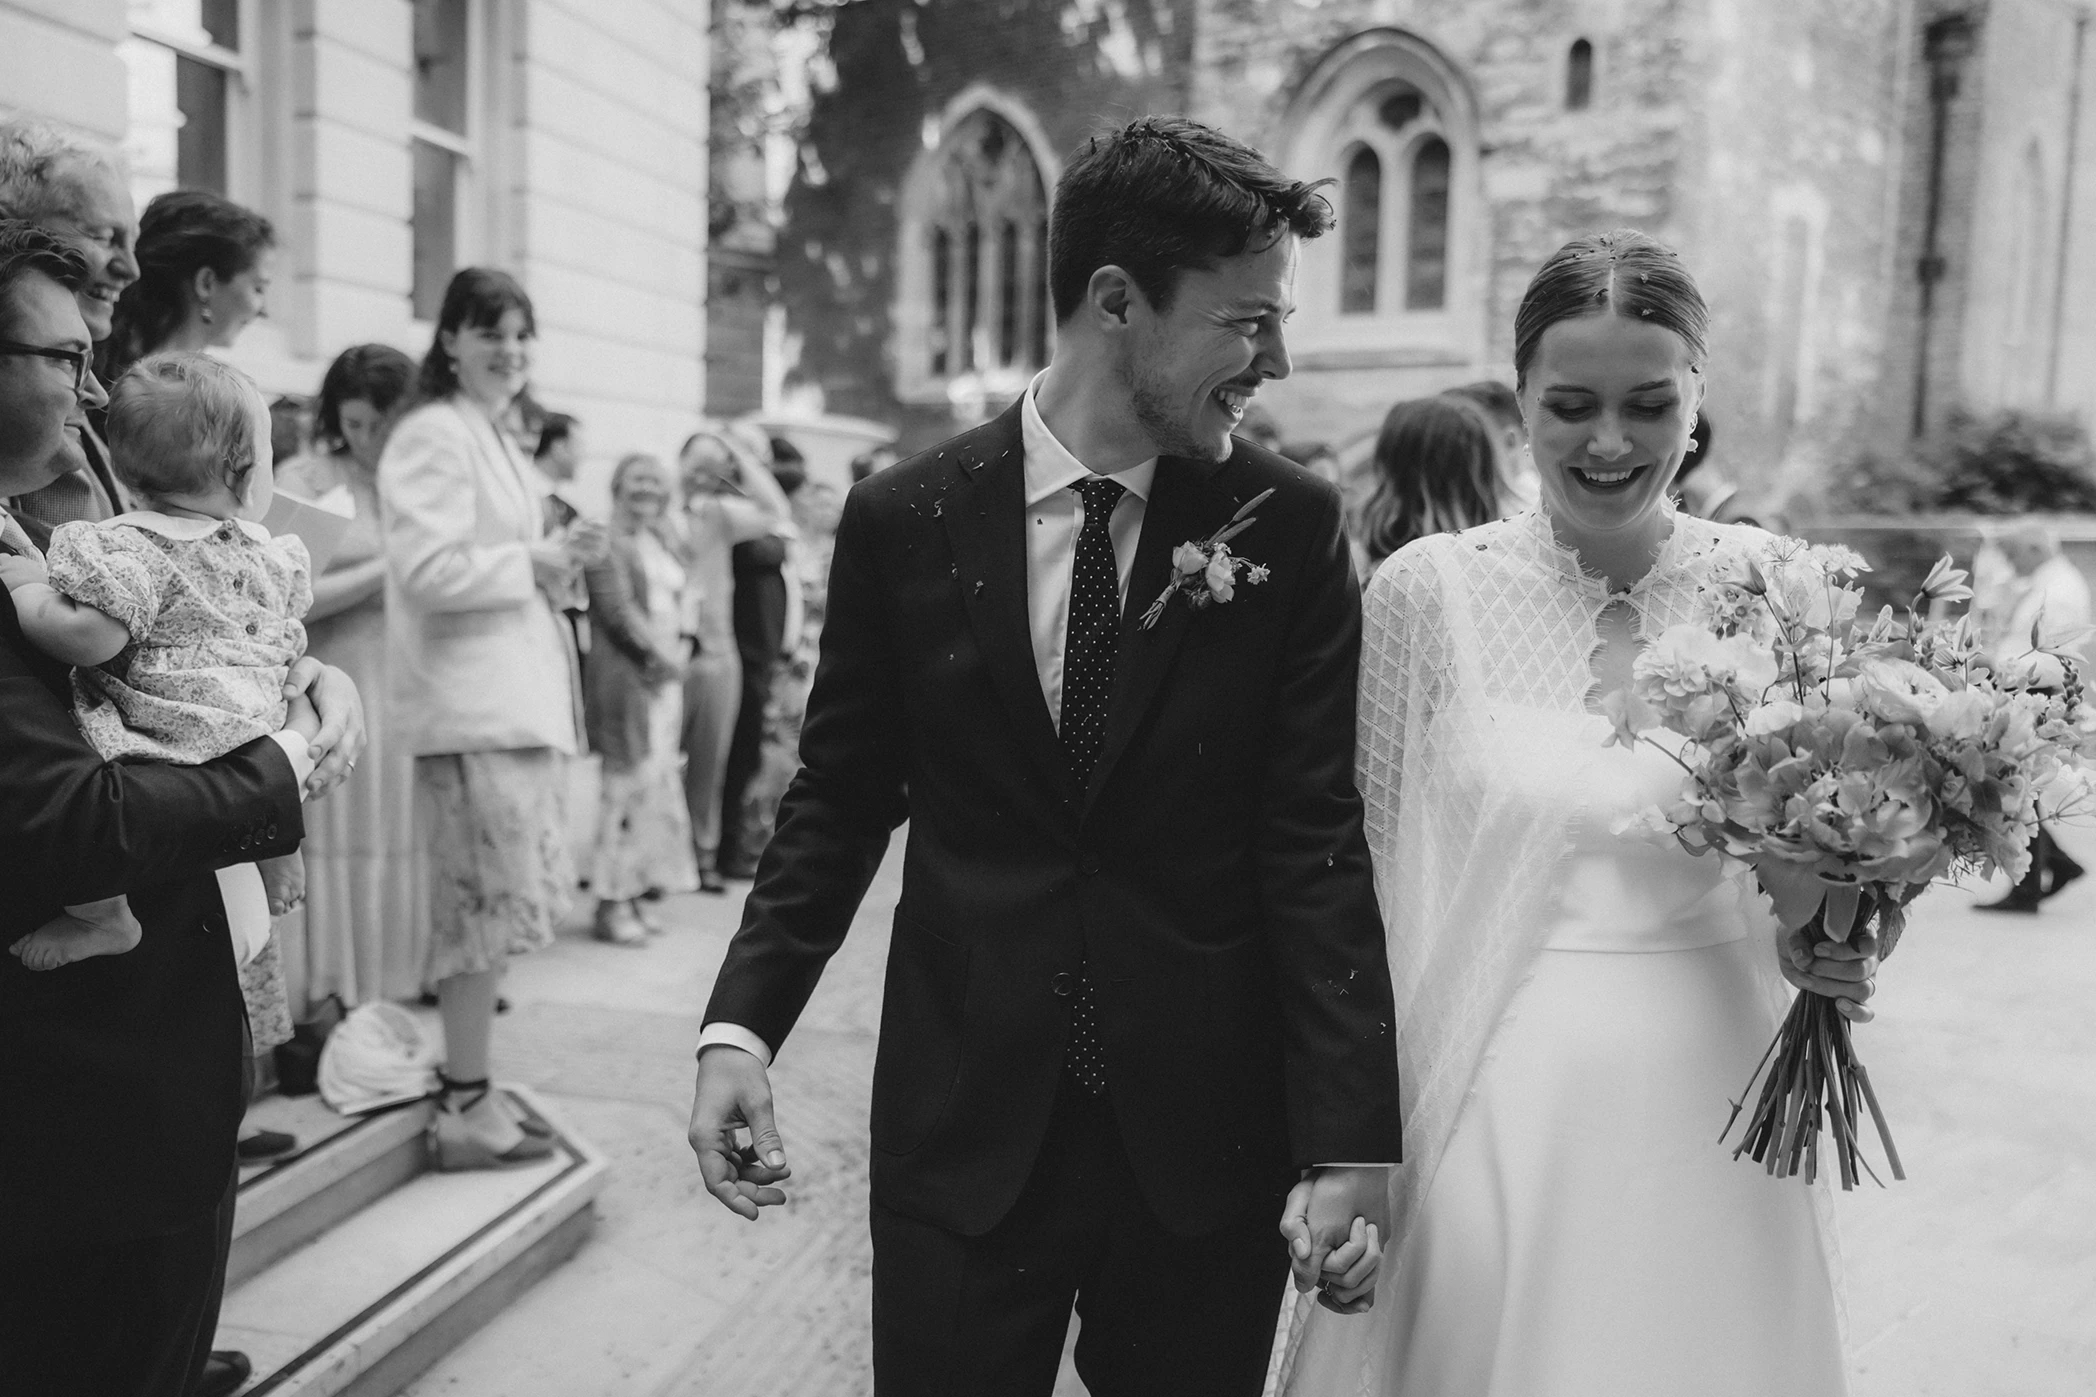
[712, 693]
[126, 1319]
[1160, 1314]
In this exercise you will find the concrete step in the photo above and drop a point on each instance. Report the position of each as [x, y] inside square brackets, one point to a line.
[395, 1282]
[343, 1165]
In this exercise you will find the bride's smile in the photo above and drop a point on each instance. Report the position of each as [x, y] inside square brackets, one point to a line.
[1610, 402]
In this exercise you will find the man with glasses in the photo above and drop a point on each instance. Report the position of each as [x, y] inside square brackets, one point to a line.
[120, 1079]
[74, 188]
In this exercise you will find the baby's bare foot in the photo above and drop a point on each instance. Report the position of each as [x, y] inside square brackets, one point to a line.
[284, 882]
[67, 938]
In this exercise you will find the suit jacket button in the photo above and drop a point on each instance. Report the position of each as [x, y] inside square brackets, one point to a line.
[1089, 864]
[1064, 983]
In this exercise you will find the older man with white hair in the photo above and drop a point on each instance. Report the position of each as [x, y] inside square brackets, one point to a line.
[76, 189]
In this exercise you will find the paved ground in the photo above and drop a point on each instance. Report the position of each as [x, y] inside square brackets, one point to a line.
[1975, 1278]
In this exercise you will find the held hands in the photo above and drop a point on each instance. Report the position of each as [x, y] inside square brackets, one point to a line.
[1335, 1222]
[1844, 971]
[734, 1094]
[337, 715]
[552, 564]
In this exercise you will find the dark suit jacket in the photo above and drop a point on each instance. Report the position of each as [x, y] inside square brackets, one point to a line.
[120, 1076]
[1213, 881]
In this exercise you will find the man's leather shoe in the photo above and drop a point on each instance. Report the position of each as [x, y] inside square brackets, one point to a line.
[225, 1372]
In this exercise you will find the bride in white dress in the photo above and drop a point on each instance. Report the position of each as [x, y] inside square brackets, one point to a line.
[1575, 1008]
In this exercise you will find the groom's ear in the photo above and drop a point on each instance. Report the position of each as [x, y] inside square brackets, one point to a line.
[1109, 297]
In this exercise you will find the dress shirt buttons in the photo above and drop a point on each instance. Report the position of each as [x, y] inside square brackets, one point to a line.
[252, 628]
[1064, 983]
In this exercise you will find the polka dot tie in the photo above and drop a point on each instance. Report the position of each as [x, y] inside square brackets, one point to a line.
[1088, 665]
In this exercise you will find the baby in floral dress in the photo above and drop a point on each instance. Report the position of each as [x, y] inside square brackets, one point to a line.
[181, 618]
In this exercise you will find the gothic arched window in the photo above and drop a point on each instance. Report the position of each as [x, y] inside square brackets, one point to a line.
[1579, 76]
[1401, 281]
[975, 273]
[1360, 232]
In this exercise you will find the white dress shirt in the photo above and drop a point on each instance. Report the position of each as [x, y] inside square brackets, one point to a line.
[1054, 517]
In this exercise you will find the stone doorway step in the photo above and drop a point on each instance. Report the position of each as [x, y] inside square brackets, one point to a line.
[355, 1266]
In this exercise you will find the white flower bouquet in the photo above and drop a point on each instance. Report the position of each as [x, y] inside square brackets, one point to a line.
[1874, 756]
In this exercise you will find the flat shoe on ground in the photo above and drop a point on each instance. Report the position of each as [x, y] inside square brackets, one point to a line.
[225, 1372]
[265, 1145]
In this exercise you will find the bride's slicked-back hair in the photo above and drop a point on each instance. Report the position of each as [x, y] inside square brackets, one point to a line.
[1164, 195]
[1637, 277]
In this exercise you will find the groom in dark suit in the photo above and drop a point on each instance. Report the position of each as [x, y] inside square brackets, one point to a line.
[1137, 1008]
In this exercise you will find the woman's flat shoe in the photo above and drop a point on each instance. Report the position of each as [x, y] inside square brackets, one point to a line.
[474, 1129]
[618, 924]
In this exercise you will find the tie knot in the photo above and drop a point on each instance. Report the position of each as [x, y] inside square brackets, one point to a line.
[1100, 495]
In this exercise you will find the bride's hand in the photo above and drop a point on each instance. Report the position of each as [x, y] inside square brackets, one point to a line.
[1844, 971]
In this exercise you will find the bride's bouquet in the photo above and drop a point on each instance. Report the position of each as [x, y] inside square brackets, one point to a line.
[1860, 759]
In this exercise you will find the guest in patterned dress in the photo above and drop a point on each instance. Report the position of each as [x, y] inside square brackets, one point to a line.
[182, 620]
[364, 932]
[481, 688]
[642, 619]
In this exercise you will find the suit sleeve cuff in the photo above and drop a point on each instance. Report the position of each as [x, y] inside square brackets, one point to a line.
[734, 1035]
[297, 753]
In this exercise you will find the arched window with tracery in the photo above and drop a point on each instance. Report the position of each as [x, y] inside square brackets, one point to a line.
[975, 274]
[1393, 123]
[1579, 76]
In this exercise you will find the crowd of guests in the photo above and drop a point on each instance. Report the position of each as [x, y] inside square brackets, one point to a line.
[237, 784]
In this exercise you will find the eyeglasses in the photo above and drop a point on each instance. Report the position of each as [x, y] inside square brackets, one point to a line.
[76, 357]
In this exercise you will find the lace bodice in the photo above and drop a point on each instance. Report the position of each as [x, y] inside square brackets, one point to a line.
[1477, 653]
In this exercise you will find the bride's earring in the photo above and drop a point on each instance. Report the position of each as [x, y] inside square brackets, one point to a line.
[204, 314]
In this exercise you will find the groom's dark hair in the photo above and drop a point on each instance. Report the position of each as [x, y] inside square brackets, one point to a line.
[1164, 195]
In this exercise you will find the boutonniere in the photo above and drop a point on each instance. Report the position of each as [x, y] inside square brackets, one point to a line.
[1206, 572]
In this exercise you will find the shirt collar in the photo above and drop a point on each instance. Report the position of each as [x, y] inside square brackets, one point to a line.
[1050, 466]
[185, 529]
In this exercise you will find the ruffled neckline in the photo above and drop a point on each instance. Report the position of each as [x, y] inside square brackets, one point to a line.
[1677, 552]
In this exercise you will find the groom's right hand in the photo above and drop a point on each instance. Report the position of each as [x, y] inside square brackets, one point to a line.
[734, 1094]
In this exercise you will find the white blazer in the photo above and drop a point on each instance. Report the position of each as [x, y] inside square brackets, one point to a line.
[479, 660]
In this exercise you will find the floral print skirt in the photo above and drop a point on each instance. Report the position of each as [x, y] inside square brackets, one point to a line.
[643, 829]
[501, 872]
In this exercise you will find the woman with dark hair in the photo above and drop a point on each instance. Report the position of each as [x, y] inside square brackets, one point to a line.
[634, 703]
[1574, 1006]
[483, 689]
[204, 266]
[1435, 473]
[366, 928]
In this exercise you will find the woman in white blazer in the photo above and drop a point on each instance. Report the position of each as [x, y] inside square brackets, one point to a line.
[483, 684]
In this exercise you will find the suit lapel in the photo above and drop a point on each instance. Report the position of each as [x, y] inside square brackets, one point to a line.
[985, 518]
[1183, 507]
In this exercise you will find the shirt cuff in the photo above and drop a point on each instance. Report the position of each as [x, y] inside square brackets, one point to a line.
[734, 1035]
[1347, 1164]
[297, 753]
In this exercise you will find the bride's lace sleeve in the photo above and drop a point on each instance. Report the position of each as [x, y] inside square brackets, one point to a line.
[1407, 674]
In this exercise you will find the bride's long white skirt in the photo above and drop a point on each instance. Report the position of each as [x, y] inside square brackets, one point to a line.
[1587, 1235]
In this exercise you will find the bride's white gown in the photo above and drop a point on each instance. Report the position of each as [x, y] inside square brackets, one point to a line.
[1580, 1230]
[1586, 1232]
